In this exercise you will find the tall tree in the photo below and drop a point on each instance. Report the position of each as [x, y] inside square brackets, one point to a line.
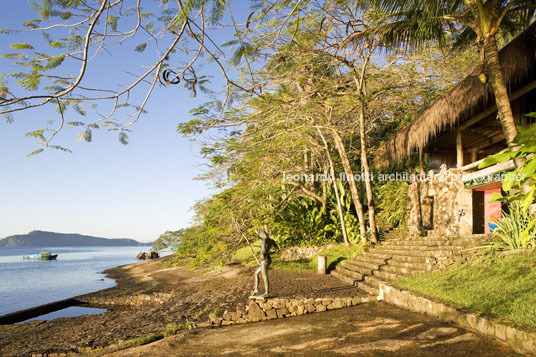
[414, 23]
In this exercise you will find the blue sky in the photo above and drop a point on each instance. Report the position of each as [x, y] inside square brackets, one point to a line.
[104, 188]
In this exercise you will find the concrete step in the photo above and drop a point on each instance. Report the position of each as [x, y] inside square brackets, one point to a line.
[466, 242]
[371, 259]
[410, 266]
[342, 277]
[400, 270]
[388, 276]
[422, 247]
[395, 258]
[414, 253]
[355, 268]
[354, 274]
[364, 265]
[368, 288]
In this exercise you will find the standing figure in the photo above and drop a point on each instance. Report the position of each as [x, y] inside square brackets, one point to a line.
[266, 245]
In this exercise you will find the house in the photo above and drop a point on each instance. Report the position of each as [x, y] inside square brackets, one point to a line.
[454, 135]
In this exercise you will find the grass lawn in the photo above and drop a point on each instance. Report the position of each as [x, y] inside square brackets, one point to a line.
[335, 255]
[502, 286]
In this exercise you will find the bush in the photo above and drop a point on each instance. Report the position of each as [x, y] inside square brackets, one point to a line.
[515, 229]
[393, 200]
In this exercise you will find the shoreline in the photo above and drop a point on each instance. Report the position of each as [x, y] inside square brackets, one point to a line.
[40, 310]
[148, 300]
[24, 295]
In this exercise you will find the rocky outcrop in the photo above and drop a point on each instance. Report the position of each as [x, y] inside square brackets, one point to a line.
[147, 255]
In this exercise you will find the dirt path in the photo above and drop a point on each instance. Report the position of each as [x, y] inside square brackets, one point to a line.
[373, 329]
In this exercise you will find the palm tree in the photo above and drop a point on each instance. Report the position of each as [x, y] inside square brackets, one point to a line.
[454, 23]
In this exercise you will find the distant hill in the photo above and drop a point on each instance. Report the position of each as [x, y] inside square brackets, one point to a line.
[52, 239]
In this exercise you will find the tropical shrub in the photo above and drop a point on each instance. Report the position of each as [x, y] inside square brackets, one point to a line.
[521, 183]
[302, 223]
[350, 220]
[512, 226]
[393, 200]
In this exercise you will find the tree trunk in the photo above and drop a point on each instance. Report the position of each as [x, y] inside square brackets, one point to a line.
[325, 195]
[339, 205]
[351, 182]
[494, 71]
[366, 171]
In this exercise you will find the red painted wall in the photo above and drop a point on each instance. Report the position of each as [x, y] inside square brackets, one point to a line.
[492, 211]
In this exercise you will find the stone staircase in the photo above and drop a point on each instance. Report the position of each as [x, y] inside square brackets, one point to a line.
[396, 259]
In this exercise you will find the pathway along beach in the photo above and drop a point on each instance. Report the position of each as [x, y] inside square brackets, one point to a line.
[180, 295]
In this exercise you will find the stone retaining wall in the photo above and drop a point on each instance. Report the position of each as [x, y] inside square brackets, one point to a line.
[521, 340]
[297, 253]
[130, 300]
[275, 308]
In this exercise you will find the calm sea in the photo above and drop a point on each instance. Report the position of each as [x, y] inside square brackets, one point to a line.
[24, 284]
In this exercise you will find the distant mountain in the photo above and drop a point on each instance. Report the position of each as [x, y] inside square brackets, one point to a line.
[52, 239]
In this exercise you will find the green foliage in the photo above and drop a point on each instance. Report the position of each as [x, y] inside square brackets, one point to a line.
[168, 240]
[501, 285]
[521, 183]
[302, 222]
[55, 62]
[138, 341]
[112, 21]
[21, 46]
[393, 200]
[141, 47]
[516, 229]
[174, 328]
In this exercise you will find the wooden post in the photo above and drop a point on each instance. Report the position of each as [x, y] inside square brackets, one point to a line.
[474, 156]
[421, 161]
[322, 262]
[459, 149]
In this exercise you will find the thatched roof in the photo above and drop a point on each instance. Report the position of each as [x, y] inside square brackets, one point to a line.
[464, 101]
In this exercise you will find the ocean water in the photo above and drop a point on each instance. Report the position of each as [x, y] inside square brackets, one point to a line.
[29, 283]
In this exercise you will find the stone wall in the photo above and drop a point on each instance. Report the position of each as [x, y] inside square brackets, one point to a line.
[297, 253]
[130, 300]
[522, 340]
[437, 202]
[276, 308]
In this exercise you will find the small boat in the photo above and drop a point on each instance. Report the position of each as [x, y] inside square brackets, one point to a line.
[41, 256]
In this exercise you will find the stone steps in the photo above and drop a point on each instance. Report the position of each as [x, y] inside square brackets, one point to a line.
[396, 259]
[354, 274]
[408, 265]
[365, 265]
[415, 253]
[423, 248]
[372, 259]
[401, 270]
[357, 269]
[369, 288]
[342, 277]
[434, 244]
[387, 276]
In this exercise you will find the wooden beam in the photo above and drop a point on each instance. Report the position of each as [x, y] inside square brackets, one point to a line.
[472, 165]
[491, 141]
[459, 149]
[518, 93]
[488, 170]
